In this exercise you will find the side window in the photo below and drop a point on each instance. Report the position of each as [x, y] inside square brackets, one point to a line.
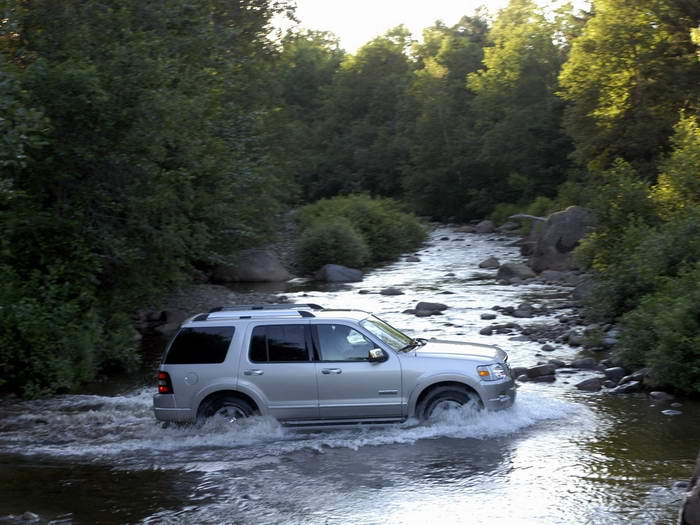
[201, 345]
[278, 343]
[342, 343]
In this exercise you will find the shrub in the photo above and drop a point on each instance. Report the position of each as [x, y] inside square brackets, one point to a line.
[386, 230]
[334, 241]
[663, 332]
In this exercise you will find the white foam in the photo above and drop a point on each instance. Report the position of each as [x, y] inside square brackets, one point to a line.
[97, 428]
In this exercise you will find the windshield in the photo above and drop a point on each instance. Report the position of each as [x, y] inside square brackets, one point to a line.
[387, 333]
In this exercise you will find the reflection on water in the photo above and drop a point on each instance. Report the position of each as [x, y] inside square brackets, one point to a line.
[557, 456]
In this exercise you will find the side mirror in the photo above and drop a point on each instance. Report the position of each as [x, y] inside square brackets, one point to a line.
[377, 355]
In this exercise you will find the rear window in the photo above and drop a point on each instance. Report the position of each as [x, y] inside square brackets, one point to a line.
[278, 343]
[207, 344]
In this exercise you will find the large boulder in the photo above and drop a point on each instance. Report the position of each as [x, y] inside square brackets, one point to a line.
[560, 234]
[485, 227]
[690, 512]
[336, 273]
[510, 271]
[256, 266]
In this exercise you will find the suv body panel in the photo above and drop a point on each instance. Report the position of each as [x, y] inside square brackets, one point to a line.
[330, 392]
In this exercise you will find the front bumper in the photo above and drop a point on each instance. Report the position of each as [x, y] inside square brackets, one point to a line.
[498, 396]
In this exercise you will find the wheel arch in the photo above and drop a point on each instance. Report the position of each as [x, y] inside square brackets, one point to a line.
[220, 394]
[427, 389]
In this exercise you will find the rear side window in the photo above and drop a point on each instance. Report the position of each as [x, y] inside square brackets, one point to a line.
[201, 345]
[279, 343]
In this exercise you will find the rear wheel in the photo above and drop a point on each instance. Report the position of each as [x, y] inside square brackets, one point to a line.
[227, 408]
[447, 398]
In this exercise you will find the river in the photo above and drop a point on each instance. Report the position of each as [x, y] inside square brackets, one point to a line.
[558, 456]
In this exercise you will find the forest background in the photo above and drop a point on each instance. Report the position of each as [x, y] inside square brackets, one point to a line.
[140, 141]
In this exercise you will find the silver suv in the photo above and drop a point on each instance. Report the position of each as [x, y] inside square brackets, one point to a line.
[310, 366]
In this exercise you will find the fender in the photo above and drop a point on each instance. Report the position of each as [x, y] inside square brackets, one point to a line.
[429, 379]
[231, 385]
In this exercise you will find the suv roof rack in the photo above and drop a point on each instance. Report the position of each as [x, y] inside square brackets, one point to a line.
[280, 306]
[250, 311]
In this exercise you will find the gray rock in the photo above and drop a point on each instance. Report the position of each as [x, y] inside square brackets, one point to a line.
[560, 234]
[412, 258]
[524, 311]
[510, 271]
[676, 405]
[671, 412]
[547, 348]
[491, 263]
[627, 388]
[30, 517]
[586, 363]
[661, 396]
[391, 291]
[523, 378]
[615, 373]
[485, 227]
[637, 376]
[609, 342]
[487, 330]
[551, 378]
[488, 317]
[609, 384]
[593, 384]
[517, 371]
[584, 289]
[253, 265]
[553, 276]
[540, 370]
[465, 229]
[336, 273]
[576, 338]
[508, 226]
[557, 362]
[425, 306]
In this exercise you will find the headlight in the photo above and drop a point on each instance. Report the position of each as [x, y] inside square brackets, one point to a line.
[492, 372]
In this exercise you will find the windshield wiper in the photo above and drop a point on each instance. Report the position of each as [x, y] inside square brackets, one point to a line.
[414, 343]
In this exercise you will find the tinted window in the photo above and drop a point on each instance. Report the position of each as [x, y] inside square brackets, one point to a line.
[200, 345]
[278, 343]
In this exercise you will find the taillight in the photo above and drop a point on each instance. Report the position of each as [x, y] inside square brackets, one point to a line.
[165, 386]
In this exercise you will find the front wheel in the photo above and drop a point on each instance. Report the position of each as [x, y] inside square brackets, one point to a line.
[228, 409]
[444, 399]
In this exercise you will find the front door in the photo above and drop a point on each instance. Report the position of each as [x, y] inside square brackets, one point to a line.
[349, 386]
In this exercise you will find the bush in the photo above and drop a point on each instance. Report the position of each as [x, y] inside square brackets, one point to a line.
[663, 333]
[332, 242]
[386, 230]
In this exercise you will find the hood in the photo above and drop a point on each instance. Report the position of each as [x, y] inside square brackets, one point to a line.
[457, 349]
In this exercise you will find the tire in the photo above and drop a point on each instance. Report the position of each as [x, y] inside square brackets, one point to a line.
[228, 408]
[446, 398]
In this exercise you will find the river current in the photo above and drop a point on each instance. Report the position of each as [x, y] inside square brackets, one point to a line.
[558, 456]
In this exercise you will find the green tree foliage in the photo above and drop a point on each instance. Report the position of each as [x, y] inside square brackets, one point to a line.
[443, 170]
[360, 134]
[135, 151]
[518, 114]
[385, 228]
[629, 73]
[332, 241]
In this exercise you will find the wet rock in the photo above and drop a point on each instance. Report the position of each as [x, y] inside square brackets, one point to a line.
[509, 226]
[540, 370]
[637, 376]
[524, 311]
[521, 338]
[488, 317]
[451, 274]
[676, 405]
[487, 330]
[412, 258]
[510, 271]
[517, 371]
[661, 396]
[609, 384]
[424, 309]
[680, 485]
[364, 292]
[593, 384]
[29, 517]
[615, 373]
[410, 311]
[586, 363]
[671, 412]
[557, 363]
[576, 338]
[523, 378]
[465, 229]
[444, 238]
[627, 388]
[547, 348]
[485, 227]
[391, 291]
[339, 274]
[491, 263]
[551, 378]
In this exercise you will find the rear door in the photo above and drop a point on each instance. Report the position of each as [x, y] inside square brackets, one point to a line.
[278, 367]
[349, 386]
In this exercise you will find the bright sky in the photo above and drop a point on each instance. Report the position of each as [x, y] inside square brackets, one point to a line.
[356, 22]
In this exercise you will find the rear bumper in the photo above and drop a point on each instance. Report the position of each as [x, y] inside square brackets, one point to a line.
[165, 410]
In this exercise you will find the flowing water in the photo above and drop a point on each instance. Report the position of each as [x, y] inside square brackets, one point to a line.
[558, 456]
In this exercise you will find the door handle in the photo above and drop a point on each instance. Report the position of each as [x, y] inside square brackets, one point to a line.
[331, 371]
[254, 372]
